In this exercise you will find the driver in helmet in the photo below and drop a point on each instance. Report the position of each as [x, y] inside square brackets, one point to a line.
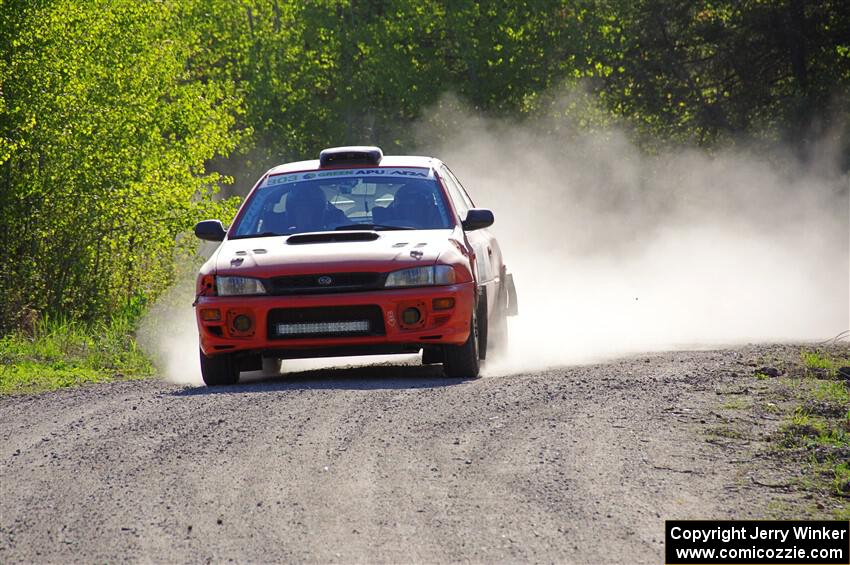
[307, 209]
[414, 206]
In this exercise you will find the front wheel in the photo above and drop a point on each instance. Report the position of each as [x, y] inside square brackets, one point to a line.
[219, 370]
[461, 361]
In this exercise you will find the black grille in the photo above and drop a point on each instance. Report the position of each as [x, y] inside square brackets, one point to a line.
[373, 314]
[325, 283]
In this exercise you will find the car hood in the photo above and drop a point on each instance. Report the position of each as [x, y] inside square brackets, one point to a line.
[329, 252]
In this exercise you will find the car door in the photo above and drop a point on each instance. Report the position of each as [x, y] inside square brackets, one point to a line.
[488, 257]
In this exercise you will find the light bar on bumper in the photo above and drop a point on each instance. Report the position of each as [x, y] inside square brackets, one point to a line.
[316, 328]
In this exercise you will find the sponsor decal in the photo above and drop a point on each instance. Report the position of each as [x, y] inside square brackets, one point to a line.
[280, 179]
[389, 172]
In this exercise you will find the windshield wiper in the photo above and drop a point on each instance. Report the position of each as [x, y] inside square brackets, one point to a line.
[372, 227]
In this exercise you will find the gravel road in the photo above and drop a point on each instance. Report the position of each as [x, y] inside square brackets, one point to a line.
[374, 464]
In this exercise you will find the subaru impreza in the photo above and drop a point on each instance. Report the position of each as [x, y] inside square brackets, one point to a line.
[354, 253]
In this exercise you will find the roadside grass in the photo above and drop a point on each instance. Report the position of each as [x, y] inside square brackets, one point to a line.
[62, 353]
[807, 394]
[819, 425]
[823, 362]
[832, 391]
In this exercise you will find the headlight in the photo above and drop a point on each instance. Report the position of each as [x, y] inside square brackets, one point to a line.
[232, 286]
[422, 276]
[443, 274]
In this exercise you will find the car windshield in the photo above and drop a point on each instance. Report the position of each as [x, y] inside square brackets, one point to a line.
[380, 199]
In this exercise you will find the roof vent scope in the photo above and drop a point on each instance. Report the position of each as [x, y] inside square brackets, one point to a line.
[354, 155]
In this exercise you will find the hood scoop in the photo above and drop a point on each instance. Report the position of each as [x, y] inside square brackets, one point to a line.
[331, 237]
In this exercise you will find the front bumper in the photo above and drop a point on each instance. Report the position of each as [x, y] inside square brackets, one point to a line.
[440, 327]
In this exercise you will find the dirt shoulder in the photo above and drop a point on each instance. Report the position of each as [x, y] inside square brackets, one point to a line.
[386, 464]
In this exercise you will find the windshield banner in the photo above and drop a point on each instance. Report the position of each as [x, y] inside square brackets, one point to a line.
[389, 172]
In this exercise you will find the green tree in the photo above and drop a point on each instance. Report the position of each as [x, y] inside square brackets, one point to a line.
[105, 135]
[716, 69]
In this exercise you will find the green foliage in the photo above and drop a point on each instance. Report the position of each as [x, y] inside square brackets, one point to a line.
[335, 72]
[64, 353]
[331, 72]
[823, 362]
[841, 480]
[105, 137]
[707, 70]
[832, 391]
[816, 360]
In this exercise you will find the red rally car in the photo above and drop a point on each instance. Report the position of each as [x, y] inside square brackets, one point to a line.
[355, 253]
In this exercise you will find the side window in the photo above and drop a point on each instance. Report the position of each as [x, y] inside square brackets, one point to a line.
[464, 195]
[455, 191]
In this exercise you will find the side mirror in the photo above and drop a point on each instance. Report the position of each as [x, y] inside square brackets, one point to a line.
[477, 218]
[211, 230]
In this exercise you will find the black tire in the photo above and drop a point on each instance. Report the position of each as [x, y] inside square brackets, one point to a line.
[498, 335]
[432, 356]
[483, 327]
[462, 361]
[219, 370]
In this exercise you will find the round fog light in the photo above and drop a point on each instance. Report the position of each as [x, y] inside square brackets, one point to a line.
[410, 316]
[242, 323]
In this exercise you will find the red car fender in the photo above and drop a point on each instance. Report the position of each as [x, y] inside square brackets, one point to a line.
[460, 256]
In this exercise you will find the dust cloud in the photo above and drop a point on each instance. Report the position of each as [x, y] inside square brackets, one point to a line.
[169, 335]
[615, 252]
